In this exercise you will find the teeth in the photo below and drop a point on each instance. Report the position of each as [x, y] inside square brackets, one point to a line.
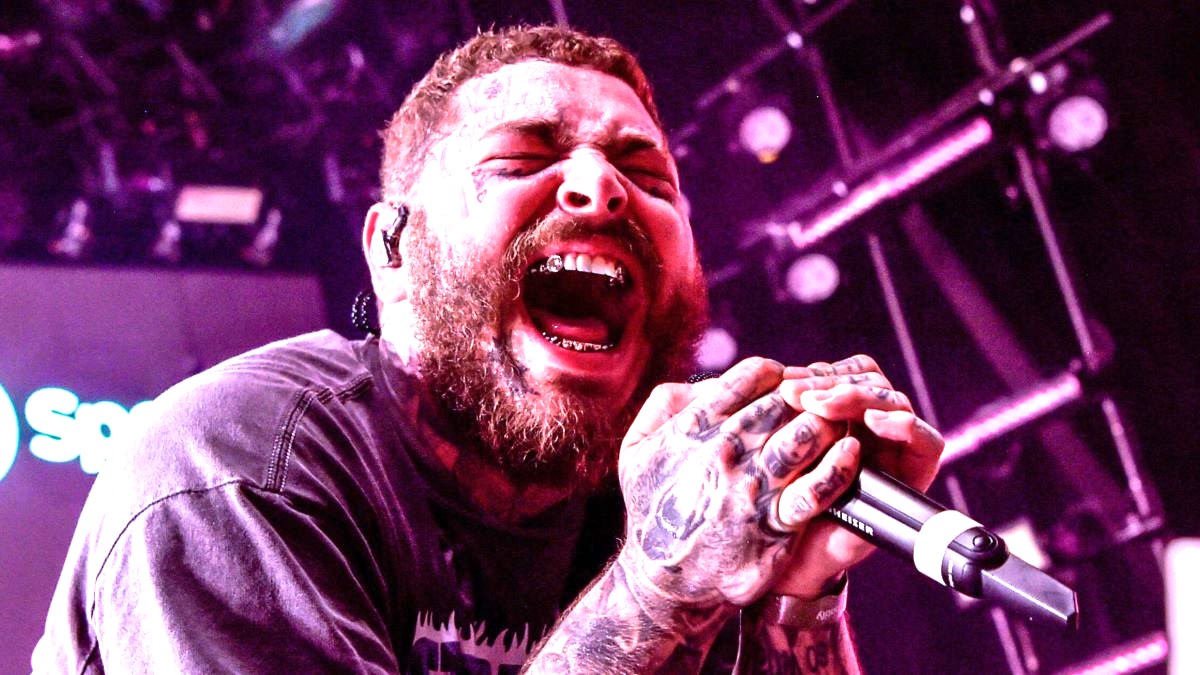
[575, 345]
[582, 262]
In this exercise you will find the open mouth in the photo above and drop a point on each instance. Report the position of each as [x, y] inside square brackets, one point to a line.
[579, 302]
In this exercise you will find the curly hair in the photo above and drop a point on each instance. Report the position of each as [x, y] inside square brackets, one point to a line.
[413, 129]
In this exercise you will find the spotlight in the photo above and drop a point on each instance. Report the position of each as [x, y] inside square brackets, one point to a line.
[718, 348]
[218, 204]
[77, 236]
[299, 20]
[261, 251]
[1069, 107]
[764, 132]
[812, 278]
[169, 245]
[1077, 123]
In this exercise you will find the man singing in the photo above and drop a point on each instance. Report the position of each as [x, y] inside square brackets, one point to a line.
[413, 502]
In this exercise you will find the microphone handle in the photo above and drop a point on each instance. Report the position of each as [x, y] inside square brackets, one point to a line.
[950, 548]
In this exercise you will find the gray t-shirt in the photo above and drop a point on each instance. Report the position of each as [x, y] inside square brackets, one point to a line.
[285, 512]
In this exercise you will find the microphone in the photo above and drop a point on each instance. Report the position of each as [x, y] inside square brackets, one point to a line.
[951, 548]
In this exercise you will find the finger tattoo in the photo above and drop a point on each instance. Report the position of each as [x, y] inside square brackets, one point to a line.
[831, 484]
[781, 461]
[701, 425]
[765, 415]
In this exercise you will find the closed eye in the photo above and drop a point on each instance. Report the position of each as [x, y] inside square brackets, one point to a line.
[518, 164]
[652, 182]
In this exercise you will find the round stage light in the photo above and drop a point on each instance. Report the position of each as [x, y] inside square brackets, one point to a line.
[764, 132]
[812, 278]
[1077, 123]
[718, 348]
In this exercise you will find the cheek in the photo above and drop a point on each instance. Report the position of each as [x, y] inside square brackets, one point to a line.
[510, 204]
[480, 216]
[676, 245]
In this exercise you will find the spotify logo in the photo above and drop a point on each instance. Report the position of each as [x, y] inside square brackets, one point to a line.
[10, 433]
[65, 428]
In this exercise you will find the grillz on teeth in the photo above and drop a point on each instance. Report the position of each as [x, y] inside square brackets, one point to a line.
[582, 262]
[577, 345]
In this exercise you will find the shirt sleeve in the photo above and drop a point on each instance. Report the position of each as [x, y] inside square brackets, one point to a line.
[234, 578]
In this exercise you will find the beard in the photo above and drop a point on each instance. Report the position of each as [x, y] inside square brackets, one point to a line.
[566, 437]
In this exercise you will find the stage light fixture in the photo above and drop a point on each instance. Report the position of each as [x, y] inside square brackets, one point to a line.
[168, 247]
[812, 278]
[261, 251]
[1077, 123]
[218, 204]
[764, 132]
[298, 21]
[717, 350]
[77, 236]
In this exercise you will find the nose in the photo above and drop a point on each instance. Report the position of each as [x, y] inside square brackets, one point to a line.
[591, 187]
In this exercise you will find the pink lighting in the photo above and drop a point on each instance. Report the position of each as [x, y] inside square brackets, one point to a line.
[1012, 414]
[764, 132]
[1131, 657]
[892, 184]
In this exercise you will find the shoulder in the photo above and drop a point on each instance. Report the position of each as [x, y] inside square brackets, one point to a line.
[278, 450]
[240, 421]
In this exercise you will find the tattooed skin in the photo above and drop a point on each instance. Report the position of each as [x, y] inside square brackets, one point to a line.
[778, 650]
[700, 471]
[696, 492]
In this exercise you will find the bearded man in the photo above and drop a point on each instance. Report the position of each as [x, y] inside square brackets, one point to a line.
[413, 502]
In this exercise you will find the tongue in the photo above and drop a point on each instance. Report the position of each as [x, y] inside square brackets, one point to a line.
[580, 329]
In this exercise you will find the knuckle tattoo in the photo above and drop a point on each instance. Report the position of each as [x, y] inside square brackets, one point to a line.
[829, 485]
[699, 426]
[732, 448]
[764, 415]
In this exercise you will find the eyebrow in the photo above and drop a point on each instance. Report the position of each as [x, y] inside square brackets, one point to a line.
[552, 133]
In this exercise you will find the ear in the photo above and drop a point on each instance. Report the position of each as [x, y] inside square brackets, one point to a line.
[389, 281]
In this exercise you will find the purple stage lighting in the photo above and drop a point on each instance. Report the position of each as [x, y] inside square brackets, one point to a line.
[764, 132]
[1077, 123]
[891, 184]
[812, 278]
[1131, 657]
[1009, 415]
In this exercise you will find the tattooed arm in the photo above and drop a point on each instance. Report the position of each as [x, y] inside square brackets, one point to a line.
[722, 484]
[855, 392]
[700, 468]
[771, 648]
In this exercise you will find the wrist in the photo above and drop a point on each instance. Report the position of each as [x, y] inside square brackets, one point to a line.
[807, 613]
[668, 599]
[812, 589]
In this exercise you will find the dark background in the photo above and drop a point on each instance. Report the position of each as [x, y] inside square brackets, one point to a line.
[288, 97]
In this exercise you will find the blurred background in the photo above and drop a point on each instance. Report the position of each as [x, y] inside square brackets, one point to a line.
[998, 199]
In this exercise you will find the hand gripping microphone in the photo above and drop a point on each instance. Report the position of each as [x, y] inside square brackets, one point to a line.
[951, 549]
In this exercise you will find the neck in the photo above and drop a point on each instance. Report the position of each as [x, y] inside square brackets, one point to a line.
[480, 479]
[490, 488]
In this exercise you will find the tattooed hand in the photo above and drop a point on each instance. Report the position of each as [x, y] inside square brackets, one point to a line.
[855, 392]
[701, 469]
[706, 469]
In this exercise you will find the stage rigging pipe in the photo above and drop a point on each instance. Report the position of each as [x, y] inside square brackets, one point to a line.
[908, 349]
[794, 38]
[912, 158]
[1011, 413]
[1145, 497]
